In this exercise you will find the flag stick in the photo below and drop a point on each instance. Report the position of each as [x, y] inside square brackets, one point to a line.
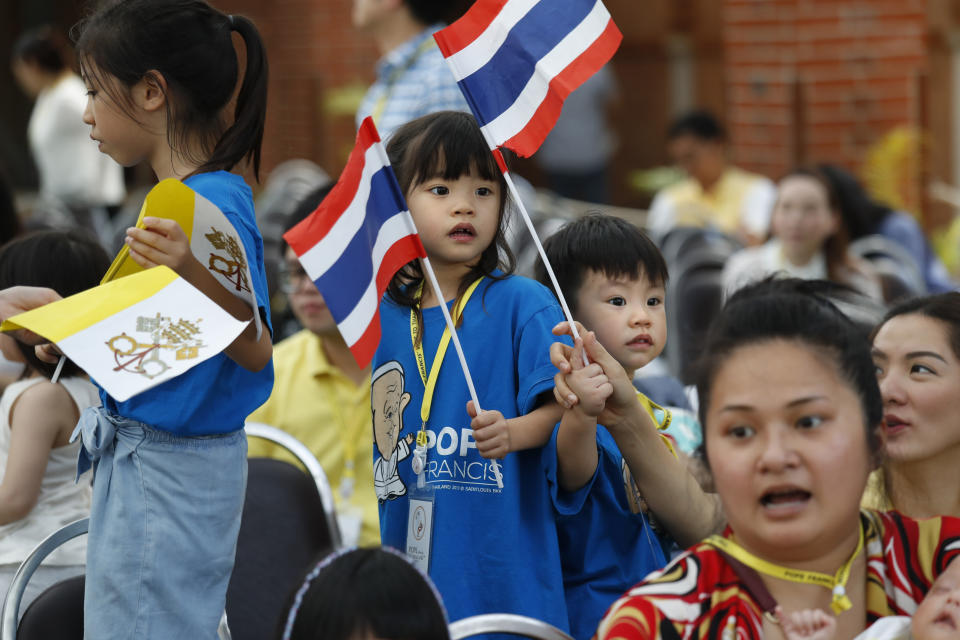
[428, 269]
[536, 240]
[56, 373]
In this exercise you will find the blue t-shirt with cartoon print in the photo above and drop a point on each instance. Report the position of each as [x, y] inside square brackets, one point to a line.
[494, 550]
[606, 542]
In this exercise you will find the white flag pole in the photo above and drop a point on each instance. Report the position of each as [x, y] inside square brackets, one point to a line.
[428, 270]
[56, 373]
[536, 240]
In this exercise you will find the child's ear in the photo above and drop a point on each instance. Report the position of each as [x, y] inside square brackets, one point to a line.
[151, 92]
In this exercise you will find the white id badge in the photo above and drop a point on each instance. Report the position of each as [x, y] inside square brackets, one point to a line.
[420, 527]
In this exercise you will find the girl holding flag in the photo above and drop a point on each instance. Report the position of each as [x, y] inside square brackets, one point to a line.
[441, 502]
[170, 463]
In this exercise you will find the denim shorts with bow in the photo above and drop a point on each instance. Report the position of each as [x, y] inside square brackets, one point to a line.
[163, 527]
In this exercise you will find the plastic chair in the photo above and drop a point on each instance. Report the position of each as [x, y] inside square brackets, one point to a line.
[521, 626]
[11, 604]
[311, 464]
[694, 297]
[288, 522]
[900, 275]
[57, 613]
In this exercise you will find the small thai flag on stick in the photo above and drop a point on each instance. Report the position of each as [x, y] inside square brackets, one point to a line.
[516, 61]
[356, 240]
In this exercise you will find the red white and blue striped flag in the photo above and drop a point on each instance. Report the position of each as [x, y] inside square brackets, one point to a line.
[356, 240]
[516, 61]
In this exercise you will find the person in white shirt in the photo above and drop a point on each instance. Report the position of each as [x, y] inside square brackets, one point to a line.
[808, 240]
[73, 173]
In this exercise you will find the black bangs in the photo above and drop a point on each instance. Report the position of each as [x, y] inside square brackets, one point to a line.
[605, 244]
[446, 144]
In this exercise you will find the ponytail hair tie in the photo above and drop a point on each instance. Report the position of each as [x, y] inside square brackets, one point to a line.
[233, 24]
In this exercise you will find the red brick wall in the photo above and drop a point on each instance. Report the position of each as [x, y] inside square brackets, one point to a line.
[313, 50]
[820, 80]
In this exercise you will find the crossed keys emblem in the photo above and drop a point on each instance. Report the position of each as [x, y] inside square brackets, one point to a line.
[143, 358]
[233, 269]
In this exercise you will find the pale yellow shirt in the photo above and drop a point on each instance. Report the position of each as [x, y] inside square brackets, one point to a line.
[740, 201]
[321, 407]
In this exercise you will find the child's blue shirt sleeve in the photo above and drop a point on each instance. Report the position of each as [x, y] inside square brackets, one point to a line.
[565, 503]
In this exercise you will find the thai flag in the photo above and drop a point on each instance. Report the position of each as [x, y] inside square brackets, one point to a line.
[356, 240]
[517, 60]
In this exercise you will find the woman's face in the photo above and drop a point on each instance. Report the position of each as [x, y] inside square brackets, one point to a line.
[788, 450]
[802, 218]
[919, 378]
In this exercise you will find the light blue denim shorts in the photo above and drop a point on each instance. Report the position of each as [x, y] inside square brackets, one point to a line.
[163, 528]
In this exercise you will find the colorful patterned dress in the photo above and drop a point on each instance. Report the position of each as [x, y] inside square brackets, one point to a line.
[700, 595]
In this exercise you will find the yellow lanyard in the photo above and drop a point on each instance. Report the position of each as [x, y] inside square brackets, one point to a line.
[836, 583]
[430, 381]
[381, 103]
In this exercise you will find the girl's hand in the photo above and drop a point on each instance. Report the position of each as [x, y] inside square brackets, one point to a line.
[161, 242]
[807, 624]
[491, 431]
[588, 383]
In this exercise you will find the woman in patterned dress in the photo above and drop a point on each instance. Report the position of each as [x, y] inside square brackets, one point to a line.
[791, 413]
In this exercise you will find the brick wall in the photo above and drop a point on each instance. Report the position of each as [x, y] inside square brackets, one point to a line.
[820, 80]
[316, 57]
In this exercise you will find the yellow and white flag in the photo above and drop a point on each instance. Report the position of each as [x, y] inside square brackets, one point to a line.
[213, 240]
[136, 332]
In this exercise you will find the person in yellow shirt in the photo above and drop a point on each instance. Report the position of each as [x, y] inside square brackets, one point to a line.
[714, 194]
[321, 397]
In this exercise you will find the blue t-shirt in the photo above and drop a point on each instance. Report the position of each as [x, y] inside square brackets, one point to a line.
[494, 551]
[606, 543]
[217, 395]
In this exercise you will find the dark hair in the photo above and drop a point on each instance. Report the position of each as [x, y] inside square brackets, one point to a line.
[307, 205]
[43, 47]
[66, 261]
[189, 44]
[446, 144]
[835, 247]
[944, 307]
[369, 592]
[602, 243]
[10, 226]
[861, 215]
[794, 310]
[699, 124]
[429, 12]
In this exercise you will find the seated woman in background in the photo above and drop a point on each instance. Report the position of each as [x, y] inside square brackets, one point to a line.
[792, 417]
[39, 493]
[864, 216]
[808, 240]
[366, 593]
[916, 349]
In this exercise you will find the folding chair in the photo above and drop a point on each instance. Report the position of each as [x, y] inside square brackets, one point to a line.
[288, 522]
[57, 613]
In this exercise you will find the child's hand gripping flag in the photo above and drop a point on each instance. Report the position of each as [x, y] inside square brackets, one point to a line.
[134, 333]
[213, 240]
[356, 240]
[516, 61]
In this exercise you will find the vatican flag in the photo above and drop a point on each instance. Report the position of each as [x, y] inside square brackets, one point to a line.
[213, 240]
[136, 332]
